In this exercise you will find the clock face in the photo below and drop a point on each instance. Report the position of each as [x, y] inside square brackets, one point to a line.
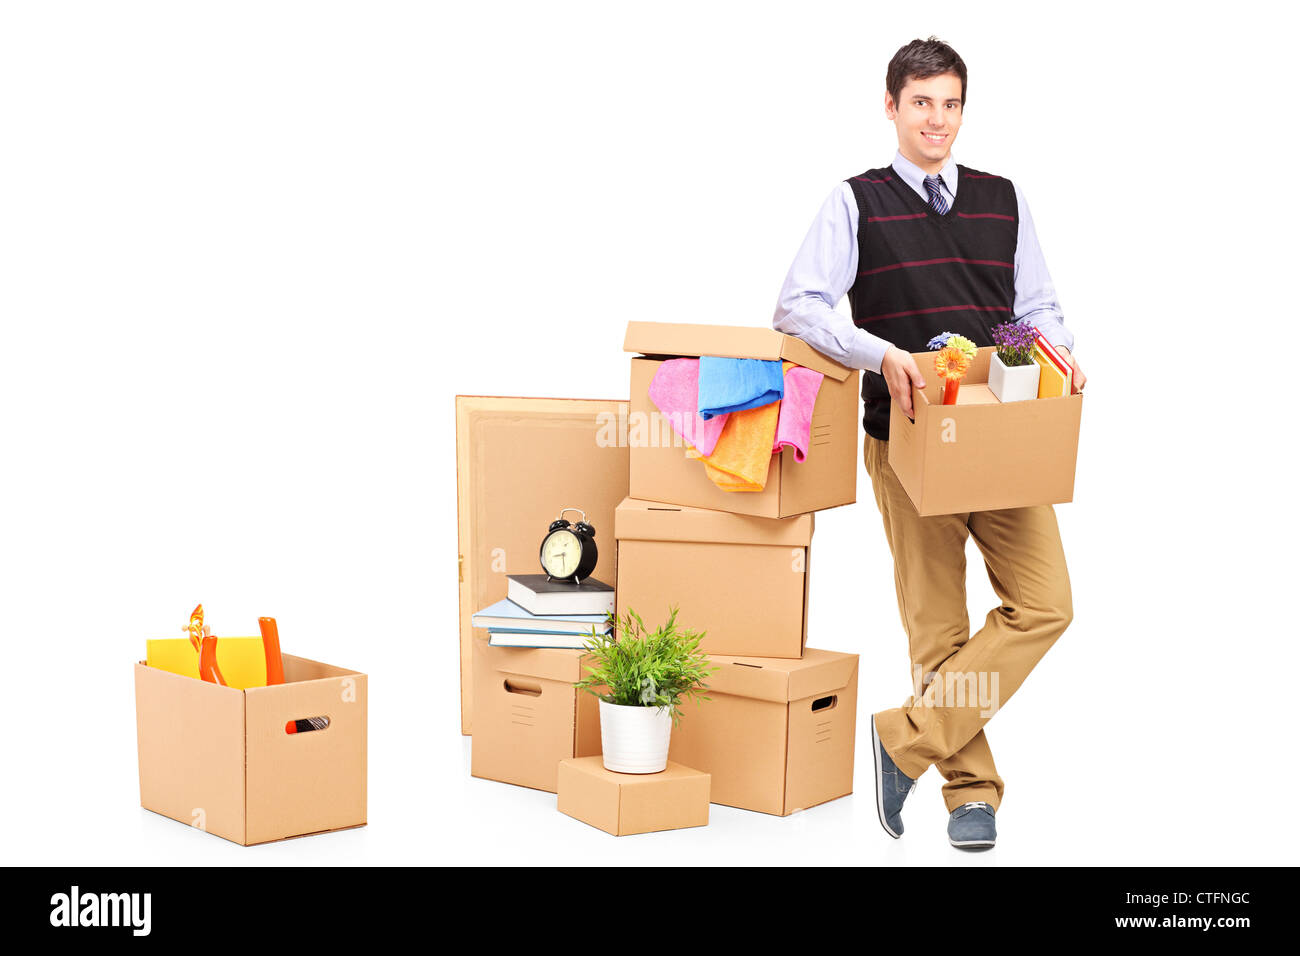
[561, 553]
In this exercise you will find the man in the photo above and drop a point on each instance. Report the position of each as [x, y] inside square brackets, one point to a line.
[923, 247]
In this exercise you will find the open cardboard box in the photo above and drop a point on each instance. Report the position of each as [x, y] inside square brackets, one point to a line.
[659, 468]
[741, 579]
[981, 454]
[776, 736]
[219, 758]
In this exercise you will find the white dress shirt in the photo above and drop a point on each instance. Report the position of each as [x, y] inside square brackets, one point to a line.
[827, 265]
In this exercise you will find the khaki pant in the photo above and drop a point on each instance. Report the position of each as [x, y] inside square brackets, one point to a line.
[965, 677]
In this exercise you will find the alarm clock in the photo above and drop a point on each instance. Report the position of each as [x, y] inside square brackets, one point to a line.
[568, 552]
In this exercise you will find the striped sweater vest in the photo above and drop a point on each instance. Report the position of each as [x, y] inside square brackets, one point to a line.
[920, 273]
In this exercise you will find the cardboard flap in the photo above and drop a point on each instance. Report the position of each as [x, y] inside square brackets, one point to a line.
[302, 668]
[728, 341]
[782, 679]
[824, 672]
[544, 663]
[651, 521]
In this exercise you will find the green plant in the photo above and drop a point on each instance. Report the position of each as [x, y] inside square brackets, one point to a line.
[641, 669]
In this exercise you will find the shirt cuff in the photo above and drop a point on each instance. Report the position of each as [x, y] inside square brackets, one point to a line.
[868, 351]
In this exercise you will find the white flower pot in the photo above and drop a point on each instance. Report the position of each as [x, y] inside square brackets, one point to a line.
[1013, 383]
[634, 739]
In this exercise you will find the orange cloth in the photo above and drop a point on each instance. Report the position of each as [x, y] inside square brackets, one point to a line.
[741, 458]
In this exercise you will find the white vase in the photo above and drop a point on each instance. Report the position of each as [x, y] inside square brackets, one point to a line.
[1013, 383]
[634, 739]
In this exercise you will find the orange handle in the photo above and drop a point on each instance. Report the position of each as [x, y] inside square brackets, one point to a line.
[208, 669]
[271, 647]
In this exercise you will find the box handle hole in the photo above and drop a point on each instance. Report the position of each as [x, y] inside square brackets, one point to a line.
[305, 725]
[823, 703]
[519, 687]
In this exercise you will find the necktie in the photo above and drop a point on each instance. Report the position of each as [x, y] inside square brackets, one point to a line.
[936, 198]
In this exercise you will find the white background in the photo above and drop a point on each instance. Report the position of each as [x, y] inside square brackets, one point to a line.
[249, 252]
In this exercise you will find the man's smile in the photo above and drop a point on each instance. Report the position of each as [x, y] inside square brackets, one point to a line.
[936, 138]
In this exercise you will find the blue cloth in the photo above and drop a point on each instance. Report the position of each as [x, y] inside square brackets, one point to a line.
[733, 385]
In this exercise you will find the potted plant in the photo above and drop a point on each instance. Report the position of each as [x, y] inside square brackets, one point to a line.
[1013, 373]
[640, 679]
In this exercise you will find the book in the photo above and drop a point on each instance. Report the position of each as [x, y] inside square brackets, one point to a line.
[535, 594]
[1057, 377]
[1052, 382]
[505, 638]
[507, 615]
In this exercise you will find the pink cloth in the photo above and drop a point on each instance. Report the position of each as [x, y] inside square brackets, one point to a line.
[675, 391]
[794, 425]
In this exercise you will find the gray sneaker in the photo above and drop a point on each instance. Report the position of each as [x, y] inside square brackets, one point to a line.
[892, 786]
[972, 827]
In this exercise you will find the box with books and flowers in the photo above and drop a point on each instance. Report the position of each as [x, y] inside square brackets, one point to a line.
[970, 448]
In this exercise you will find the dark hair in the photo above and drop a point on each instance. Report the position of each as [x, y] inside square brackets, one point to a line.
[920, 60]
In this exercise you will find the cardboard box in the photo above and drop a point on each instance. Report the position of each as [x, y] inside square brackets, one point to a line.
[527, 714]
[776, 735]
[518, 462]
[219, 758]
[624, 803]
[982, 455]
[660, 470]
[741, 579]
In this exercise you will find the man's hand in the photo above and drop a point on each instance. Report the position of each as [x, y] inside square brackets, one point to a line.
[1079, 377]
[901, 373]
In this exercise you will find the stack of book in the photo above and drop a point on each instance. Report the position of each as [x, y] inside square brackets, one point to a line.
[1055, 377]
[538, 612]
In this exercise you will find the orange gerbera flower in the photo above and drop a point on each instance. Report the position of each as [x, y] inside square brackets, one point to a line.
[951, 363]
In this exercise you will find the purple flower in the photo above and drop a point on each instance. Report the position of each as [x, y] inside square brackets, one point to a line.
[1015, 343]
[939, 341]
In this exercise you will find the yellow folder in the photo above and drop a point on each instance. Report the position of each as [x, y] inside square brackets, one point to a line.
[241, 659]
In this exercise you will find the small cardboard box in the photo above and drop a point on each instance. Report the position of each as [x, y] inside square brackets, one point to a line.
[527, 714]
[624, 803]
[741, 579]
[219, 758]
[981, 454]
[776, 735]
[659, 468]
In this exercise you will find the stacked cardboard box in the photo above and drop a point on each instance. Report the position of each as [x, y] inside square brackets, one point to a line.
[527, 715]
[777, 733]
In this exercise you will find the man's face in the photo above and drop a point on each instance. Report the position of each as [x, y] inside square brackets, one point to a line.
[927, 117]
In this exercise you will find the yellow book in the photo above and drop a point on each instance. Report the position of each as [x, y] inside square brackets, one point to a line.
[1051, 382]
